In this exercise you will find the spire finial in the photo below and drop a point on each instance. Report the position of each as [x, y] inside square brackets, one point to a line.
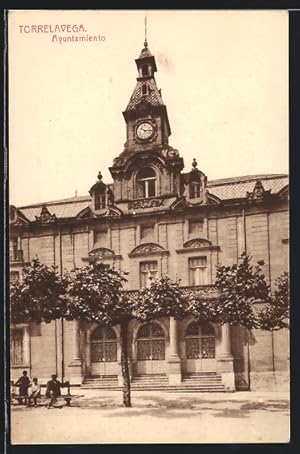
[145, 43]
[99, 176]
[194, 163]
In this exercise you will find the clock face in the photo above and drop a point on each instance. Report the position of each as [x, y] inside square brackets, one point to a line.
[144, 130]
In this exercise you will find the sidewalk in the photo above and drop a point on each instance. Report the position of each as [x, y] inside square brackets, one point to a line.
[157, 416]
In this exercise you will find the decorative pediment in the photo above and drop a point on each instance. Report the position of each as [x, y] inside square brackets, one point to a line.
[114, 211]
[197, 243]
[259, 193]
[148, 249]
[16, 217]
[45, 217]
[284, 193]
[179, 203]
[212, 199]
[86, 213]
[101, 252]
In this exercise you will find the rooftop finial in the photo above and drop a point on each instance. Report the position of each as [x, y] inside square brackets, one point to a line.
[99, 176]
[194, 163]
[146, 43]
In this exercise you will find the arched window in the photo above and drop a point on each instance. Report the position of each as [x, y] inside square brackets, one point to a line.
[199, 341]
[103, 345]
[146, 183]
[150, 342]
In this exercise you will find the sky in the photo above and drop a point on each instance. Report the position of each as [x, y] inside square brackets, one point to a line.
[223, 76]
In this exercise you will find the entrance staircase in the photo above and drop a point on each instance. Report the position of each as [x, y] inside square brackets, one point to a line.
[197, 382]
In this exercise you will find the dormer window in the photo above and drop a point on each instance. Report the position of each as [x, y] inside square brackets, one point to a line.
[100, 201]
[195, 189]
[146, 183]
[144, 89]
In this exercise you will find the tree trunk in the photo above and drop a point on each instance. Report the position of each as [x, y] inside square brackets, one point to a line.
[124, 364]
[273, 357]
[249, 360]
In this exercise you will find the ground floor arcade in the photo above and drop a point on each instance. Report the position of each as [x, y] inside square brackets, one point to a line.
[166, 347]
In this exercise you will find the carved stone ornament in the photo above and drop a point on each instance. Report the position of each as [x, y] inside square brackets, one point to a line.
[258, 193]
[196, 243]
[45, 217]
[145, 203]
[147, 248]
[101, 253]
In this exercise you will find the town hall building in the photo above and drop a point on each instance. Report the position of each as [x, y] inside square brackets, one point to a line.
[157, 217]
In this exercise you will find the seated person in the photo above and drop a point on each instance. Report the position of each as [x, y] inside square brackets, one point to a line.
[53, 390]
[35, 392]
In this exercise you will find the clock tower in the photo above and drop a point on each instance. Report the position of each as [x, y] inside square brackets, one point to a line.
[146, 115]
[147, 140]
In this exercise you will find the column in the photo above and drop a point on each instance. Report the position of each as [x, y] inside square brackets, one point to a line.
[26, 346]
[76, 340]
[174, 360]
[226, 347]
[74, 368]
[225, 362]
[173, 338]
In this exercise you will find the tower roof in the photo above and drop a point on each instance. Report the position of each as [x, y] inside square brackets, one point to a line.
[153, 96]
[145, 52]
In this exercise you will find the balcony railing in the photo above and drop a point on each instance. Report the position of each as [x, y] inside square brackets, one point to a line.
[200, 291]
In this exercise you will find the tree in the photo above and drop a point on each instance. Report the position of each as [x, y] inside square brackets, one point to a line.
[275, 315]
[163, 298]
[41, 295]
[242, 286]
[203, 304]
[96, 294]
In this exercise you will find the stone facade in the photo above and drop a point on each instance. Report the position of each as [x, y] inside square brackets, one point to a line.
[156, 219]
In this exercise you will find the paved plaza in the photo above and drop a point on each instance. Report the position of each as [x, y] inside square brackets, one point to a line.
[99, 417]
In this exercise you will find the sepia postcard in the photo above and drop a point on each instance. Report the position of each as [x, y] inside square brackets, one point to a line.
[148, 226]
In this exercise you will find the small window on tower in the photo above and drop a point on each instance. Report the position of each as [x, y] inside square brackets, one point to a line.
[144, 90]
[145, 70]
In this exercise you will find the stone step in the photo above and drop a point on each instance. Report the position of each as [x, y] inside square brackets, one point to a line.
[166, 388]
[209, 380]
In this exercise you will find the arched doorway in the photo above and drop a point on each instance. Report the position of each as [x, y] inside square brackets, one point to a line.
[151, 349]
[200, 347]
[104, 351]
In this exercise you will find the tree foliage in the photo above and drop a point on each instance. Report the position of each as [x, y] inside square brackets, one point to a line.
[96, 294]
[163, 298]
[241, 287]
[203, 308]
[41, 295]
[275, 315]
